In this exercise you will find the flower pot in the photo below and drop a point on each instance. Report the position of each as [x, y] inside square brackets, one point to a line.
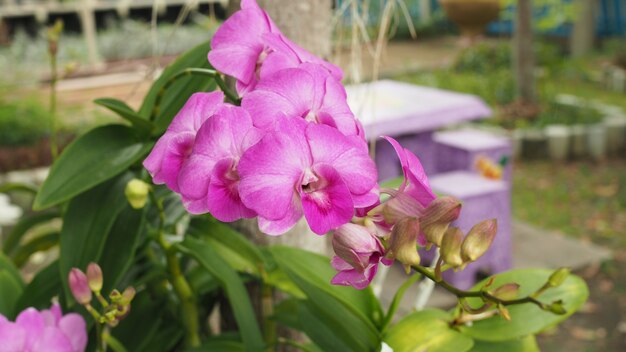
[558, 137]
[471, 16]
[534, 144]
[615, 134]
[578, 141]
[597, 141]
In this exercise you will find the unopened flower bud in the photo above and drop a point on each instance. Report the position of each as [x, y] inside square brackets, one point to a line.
[403, 242]
[115, 296]
[451, 247]
[137, 193]
[437, 217]
[355, 244]
[558, 277]
[507, 291]
[128, 295]
[479, 239]
[94, 277]
[79, 286]
[401, 206]
[557, 307]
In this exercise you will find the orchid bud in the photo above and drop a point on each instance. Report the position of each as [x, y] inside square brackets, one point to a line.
[355, 244]
[94, 277]
[137, 193]
[557, 307]
[115, 296]
[79, 286]
[128, 295]
[558, 277]
[507, 291]
[401, 206]
[451, 247]
[437, 217]
[403, 242]
[479, 239]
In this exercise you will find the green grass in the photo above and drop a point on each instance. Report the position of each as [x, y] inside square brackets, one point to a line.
[582, 199]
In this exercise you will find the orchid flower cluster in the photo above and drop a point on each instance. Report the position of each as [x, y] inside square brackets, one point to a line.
[46, 330]
[294, 148]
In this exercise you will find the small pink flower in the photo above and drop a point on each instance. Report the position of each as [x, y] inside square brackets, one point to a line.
[175, 146]
[358, 253]
[40, 331]
[308, 92]
[306, 169]
[209, 179]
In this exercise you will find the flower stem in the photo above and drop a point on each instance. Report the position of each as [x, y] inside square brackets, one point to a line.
[232, 96]
[484, 295]
[182, 289]
[54, 150]
[112, 342]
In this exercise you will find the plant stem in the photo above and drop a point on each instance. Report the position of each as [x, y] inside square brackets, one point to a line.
[112, 342]
[486, 296]
[54, 151]
[181, 287]
[232, 96]
[267, 309]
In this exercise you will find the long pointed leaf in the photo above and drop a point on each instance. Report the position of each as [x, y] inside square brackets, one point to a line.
[126, 112]
[235, 290]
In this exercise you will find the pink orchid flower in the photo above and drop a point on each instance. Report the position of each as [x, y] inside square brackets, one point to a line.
[174, 147]
[209, 180]
[246, 41]
[308, 92]
[415, 181]
[358, 253]
[306, 169]
[45, 331]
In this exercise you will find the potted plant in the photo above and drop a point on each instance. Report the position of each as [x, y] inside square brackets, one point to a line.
[471, 16]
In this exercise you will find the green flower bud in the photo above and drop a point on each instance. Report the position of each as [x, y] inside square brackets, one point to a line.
[478, 240]
[558, 277]
[137, 193]
[403, 242]
[557, 307]
[451, 247]
[94, 277]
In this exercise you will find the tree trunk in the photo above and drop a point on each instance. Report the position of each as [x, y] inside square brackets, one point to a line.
[581, 39]
[523, 58]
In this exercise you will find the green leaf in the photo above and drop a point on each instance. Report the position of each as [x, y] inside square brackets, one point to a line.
[93, 158]
[397, 298]
[426, 330]
[37, 244]
[140, 326]
[525, 344]
[345, 312]
[231, 245]
[236, 292]
[126, 112]
[168, 335]
[527, 319]
[317, 270]
[178, 93]
[218, 344]
[7, 265]
[23, 226]
[40, 291]
[87, 224]
[10, 291]
[118, 252]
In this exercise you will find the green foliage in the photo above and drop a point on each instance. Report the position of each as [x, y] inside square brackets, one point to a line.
[428, 329]
[91, 159]
[22, 122]
[483, 58]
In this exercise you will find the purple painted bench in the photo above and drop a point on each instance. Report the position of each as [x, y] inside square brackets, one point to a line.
[482, 199]
[410, 114]
[459, 150]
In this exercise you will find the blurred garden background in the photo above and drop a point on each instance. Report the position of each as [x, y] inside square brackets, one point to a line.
[553, 73]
